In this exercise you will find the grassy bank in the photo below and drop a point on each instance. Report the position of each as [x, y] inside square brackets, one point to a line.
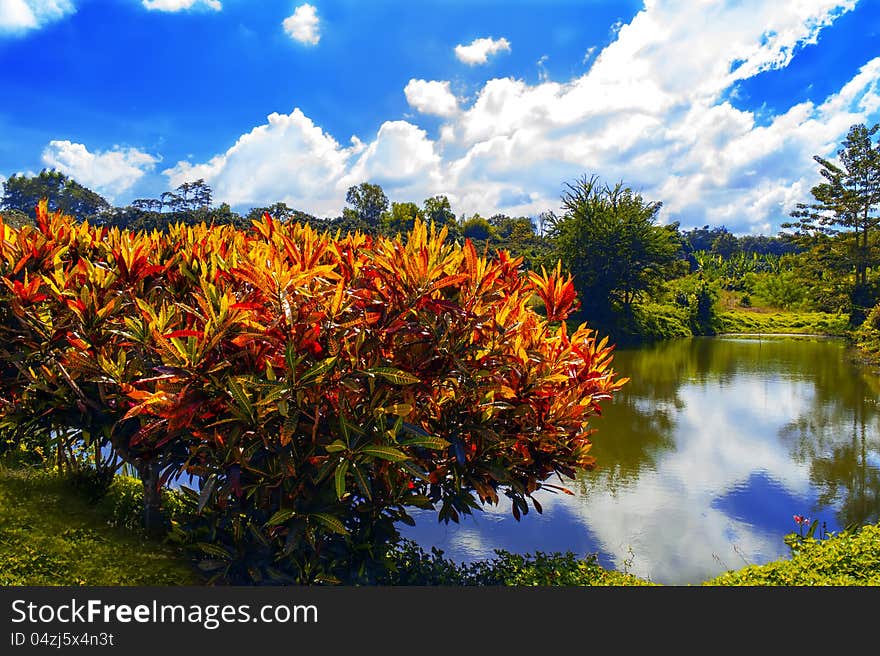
[653, 322]
[781, 322]
[50, 534]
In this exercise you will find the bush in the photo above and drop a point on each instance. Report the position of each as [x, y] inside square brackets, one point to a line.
[316, 387]
[414, 566]
[849, 558]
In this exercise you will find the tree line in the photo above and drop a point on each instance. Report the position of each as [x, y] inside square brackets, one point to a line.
[607, 235]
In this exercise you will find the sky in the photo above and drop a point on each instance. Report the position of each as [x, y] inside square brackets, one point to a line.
[714, 108]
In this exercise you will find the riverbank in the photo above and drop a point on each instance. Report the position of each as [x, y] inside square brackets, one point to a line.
[654, 322]
[52, 535]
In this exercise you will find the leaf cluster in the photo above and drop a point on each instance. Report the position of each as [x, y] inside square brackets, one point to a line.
[312, 387]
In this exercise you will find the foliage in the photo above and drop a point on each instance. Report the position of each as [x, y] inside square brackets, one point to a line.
[813, 323]
[401, 219]
[23, 193]
[281, 212]
[608, 239]
[316, 387]
[414, 566]
[123, 501]
[846, 205]
[848, 558]
[784, 290]
[438, 210]
[15, 218]
[702, 310]
[368, 204]
[478, 229]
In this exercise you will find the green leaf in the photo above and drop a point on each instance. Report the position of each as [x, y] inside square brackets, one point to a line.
[281, 516]
[318, 370]
[396, 376]
[241, 398]
[415, 471]
[331, 522]
[384, 452]
[362, 482]
[428, 442]
[336, 446]
[213, 550]
[339, 479]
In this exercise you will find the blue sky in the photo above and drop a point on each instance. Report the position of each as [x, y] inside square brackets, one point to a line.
[714, 108]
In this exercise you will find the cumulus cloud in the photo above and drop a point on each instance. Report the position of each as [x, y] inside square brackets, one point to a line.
[19, 16]
[653, 110]
[180, 5]
[478, 51]
[431, 97]
[401, 158]
[109, 172]
[287, 159]
[304, 25]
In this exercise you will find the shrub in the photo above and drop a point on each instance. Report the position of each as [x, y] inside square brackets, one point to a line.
[315, 386]
[414, 566]
[849, 558]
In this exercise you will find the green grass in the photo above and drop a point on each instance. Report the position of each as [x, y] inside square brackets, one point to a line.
[798, 323]
[51, 535]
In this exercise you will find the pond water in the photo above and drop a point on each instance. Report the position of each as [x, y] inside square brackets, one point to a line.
[703, 460]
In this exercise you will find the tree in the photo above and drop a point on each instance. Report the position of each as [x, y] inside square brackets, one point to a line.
[368, 203]
[280, 211]
[845, 206]
[608, 239]
[477, 228]
[400, 219]
[438, 210]
[23, 193]
[725, 245]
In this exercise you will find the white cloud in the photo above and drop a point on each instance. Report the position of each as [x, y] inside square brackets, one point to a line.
[287, 159]
[400, 158]
[180, 5]
[18, 16]
[110, 173]
[304, 25]
[479, 50]
[431, 97]
[652, 110]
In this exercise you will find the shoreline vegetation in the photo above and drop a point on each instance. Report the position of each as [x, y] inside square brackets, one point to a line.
[56, 533]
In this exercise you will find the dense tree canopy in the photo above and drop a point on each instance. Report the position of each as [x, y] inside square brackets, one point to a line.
[609, 240]
[368, 203]
[23, 193]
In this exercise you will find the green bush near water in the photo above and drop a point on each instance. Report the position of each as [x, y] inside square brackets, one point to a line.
[850, 558]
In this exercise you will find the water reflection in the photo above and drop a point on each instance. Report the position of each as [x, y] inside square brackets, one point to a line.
[704, 458]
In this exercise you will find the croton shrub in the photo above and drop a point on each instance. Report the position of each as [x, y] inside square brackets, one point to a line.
[307, 388]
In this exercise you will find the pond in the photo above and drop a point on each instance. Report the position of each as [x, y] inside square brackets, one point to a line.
[703, 459]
